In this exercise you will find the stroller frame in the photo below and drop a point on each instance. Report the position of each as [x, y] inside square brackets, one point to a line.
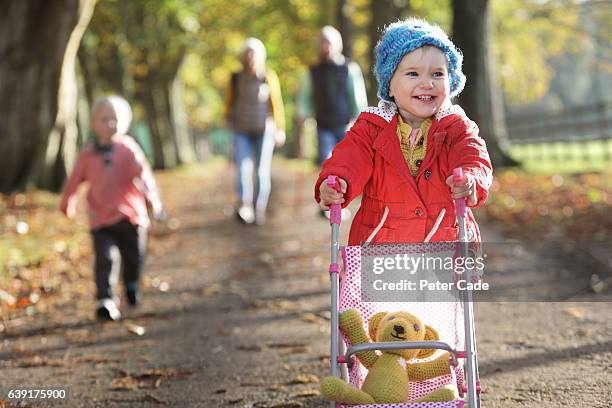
[340, 358]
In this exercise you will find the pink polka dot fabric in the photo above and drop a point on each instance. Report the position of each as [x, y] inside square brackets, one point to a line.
[448, 404]
[445, 317]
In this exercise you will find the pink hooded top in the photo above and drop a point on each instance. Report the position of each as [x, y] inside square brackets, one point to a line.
[118, 189]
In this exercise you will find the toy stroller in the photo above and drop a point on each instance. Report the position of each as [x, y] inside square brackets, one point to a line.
[453, 322]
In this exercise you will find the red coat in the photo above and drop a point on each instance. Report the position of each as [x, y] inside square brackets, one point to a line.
[370, 160]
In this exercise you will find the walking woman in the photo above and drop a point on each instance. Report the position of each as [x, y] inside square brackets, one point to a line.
[254, 110]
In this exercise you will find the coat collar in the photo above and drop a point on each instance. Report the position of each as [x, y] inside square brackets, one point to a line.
[385, 112]
[387, 143]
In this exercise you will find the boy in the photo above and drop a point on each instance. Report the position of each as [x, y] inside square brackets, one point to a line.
[120, 186]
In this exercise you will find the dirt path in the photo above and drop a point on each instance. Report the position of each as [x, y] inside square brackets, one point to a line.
[237, 316]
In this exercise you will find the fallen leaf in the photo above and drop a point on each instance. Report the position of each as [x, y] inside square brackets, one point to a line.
[22, 351]
[125, 383]
[39, 361]
[94, 359]
[253, 347]
[296, 350]
[153, 398]
[163, 372]
[251, 384]
[326, 314]
[309, 317]
[584, 332]
[575, 312]
[286, 404]
[303, 379]
[306, 394]
[211, 290]
[135, 329]
[286, 345]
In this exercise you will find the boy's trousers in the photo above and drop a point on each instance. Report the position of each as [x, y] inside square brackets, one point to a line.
[121, 244]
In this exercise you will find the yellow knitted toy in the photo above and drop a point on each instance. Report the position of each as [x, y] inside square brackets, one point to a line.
[389, 372]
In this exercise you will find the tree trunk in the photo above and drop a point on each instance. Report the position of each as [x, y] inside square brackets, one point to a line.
[482, 98]
[34, 35]
[184, 141]
[169, 132]
[345, 26]
[168, 118]
[103, 69]
[383, 12]
[61, 149]
[147, 98]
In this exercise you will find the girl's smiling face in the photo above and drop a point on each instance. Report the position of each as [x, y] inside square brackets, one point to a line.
[420, 84]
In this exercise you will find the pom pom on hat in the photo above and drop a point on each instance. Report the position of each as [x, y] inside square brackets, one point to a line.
[403, 37]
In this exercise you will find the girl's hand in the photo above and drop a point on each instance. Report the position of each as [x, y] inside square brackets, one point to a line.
[330, 196]
[464, 188]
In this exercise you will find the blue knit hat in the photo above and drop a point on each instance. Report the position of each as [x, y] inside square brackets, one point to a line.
[405, 36]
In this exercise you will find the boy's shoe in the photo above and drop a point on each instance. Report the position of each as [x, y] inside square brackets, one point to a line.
[107, 310]
[132, 294]
[133, 297]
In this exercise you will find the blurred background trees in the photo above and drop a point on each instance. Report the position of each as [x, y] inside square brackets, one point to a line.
[36, 38]
[172, 60]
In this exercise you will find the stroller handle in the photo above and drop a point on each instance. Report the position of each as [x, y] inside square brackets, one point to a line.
[460, 202]
[473, 383]
[334, 220]
[335, 210]
[404, 345]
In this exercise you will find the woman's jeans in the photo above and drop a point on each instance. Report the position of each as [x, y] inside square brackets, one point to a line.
[328, 139]
[253, 152]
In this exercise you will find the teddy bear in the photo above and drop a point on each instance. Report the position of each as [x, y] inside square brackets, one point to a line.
[389, 372]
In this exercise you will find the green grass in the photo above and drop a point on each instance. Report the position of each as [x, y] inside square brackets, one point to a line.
[565, 157]
[20, 252]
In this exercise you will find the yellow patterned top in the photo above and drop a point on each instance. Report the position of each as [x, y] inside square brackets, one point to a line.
[414, 153]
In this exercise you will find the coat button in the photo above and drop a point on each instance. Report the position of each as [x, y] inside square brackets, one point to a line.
[420, 142]
[418, 163]
[427, 174]
[418, 212]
